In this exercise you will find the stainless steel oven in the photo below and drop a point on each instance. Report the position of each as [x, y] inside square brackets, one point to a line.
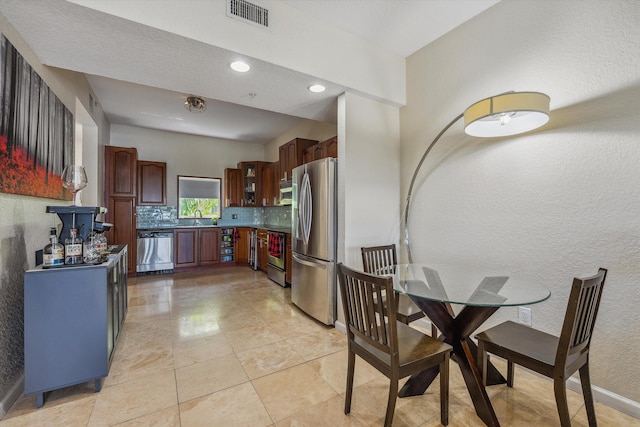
[276, 248]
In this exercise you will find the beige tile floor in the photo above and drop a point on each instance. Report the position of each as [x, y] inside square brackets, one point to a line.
[227, 348]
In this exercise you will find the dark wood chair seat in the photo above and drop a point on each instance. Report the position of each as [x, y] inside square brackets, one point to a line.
[393, 348]
[414, 348]
[532, 348]
[555, 357]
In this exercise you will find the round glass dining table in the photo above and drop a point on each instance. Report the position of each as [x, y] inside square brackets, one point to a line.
[477, 292]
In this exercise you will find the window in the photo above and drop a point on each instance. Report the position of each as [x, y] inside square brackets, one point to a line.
[198, 195]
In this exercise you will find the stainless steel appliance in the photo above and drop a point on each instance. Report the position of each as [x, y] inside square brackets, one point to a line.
[154, 250]
[314, 237]
[253, 249]
[276, 249]
[286, 193]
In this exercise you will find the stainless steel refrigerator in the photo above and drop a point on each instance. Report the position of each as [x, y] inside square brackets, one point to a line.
[314, 236]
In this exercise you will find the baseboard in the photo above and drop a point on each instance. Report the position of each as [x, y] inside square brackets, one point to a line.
[612, 400]
[340, 327]
[10, 398]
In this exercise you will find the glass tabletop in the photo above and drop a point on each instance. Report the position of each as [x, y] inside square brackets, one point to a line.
[458, 284]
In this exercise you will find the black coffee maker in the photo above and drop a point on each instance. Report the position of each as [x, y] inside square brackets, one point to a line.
[83, 218]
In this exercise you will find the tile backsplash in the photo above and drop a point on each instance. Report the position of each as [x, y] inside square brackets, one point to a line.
[167, 216]
[156, 216]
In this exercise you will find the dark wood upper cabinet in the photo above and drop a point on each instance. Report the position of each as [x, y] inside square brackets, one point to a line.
[152, 183]
[269, 184]
[321, 150]
[291, 155]
[330, 147]
[120, 171]
[232, 187]
[251, 174]
[309, 154]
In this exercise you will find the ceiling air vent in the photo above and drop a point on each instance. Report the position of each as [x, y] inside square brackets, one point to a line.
[246, 11]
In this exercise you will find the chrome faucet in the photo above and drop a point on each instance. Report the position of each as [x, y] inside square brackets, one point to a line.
[196, 220]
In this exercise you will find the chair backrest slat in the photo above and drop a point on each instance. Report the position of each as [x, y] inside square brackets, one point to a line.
[364, 298]
[580, 318]
[379, 259]
[585, 315]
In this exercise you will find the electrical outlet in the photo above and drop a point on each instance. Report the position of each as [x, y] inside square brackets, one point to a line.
[524, 316]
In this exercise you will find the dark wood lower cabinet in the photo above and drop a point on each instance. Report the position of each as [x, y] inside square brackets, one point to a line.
[196, 247]
[209, 246]
[122, 214]
[186, 244]
[241, 246]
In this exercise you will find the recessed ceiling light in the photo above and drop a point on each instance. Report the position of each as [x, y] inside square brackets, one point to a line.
[317, 88]
[239, 66]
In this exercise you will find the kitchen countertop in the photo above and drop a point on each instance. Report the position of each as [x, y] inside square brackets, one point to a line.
[279, 229]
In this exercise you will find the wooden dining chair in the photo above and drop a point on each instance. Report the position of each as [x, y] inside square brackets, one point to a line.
[393, 348]
[555, 357]
[381, 260]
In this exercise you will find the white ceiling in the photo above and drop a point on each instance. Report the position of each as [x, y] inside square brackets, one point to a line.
[127, 63]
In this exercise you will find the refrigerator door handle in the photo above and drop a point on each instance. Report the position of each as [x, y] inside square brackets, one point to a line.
[310, 262]
[305, 211]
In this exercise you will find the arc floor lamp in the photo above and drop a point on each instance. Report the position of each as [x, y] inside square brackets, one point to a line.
[506, 114]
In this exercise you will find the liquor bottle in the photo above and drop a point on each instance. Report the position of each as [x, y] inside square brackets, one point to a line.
[90, 253]
[73, 248]
[102, 244]
[53, 253]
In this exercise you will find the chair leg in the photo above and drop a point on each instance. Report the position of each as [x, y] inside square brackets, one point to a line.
[391, 403]
[444, 391]
[559, 387]
[585, 381]
[510, 373]
[351, 361]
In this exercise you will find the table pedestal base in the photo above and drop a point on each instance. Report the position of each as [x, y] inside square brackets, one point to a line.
[455, 332]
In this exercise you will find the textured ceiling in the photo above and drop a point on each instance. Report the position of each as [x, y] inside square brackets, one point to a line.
[141, 75]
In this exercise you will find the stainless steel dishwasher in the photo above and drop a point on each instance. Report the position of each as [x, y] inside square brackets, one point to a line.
[155, 251]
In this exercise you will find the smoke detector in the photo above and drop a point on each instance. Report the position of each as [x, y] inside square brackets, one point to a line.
[195, 104]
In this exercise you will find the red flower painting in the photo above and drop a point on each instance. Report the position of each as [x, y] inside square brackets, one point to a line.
[36, 130]
[18, 175]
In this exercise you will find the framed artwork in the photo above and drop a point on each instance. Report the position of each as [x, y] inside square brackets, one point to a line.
[36, 130]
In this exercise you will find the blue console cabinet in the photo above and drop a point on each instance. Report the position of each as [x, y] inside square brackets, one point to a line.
[72, 321]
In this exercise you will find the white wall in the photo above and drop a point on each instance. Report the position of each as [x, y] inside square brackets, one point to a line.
[86, 137]
[185, 154]
[553, 204]
[368, 177]
[369, 170]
